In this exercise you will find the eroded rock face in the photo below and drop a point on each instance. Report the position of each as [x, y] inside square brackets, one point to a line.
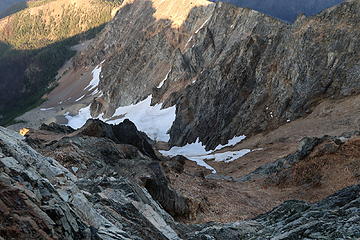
[101, 196]
[98, 150]
[122, 133]
[229, 71]
[53, 203]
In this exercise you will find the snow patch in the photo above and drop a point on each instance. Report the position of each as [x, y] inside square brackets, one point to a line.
[203, 25]
[94, 83]
[196, 152]
[46, 109]
[235, 140]
[80, 98]
[153, 120]
[163, 81]
[79, 120]
[228, 156]
[191, 37]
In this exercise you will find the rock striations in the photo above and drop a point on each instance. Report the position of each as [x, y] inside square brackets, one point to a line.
[229, 71]
[94, 188]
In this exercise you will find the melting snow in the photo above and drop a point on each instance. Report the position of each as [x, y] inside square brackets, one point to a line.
[80, 119]
[163, 81]
[228, 156]
[95, 80]
[231, 142]
[202, 25]
[152, 120]
[196, 152]
[46, 109]
[80, 98]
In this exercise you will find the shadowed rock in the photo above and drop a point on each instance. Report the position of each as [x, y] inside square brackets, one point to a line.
[122, 133]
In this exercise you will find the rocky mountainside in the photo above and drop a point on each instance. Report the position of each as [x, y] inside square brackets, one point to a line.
[97, 186]
[36, 41]
[229, 71]
[175, 87]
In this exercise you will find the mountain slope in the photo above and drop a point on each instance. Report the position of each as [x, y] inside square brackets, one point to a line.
[35, 43]
[229, 71]
[46, 22]
[220, 72]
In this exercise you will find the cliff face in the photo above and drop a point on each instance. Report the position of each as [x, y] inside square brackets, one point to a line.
[272, 78]
[229, 71]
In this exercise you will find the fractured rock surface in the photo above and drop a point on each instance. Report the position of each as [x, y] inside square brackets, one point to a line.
[114, 191]
[229, 71]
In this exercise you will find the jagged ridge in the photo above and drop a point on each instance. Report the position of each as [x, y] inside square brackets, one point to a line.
[230, 71]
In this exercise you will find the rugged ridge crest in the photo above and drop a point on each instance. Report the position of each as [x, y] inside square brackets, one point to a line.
[41, 199]
[229, 70]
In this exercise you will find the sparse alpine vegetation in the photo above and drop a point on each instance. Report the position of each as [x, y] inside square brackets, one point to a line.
[35, 42]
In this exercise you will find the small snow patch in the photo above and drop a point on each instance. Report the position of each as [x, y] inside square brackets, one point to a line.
[207, 20]
[235, 140]
[80, 98]
[80, 119]
[46, 109]
[163, 81]
[196, 152]
[188, 41]
[94, 83]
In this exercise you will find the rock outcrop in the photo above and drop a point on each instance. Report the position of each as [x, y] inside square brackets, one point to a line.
[51, 202]
[41, 199]
[228, 70]
[98, 150]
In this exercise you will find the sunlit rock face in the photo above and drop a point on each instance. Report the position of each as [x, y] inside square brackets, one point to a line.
[286, 10]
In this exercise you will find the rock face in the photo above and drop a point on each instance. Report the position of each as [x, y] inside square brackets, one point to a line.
[123, 133]
[229, 71]
[95, 198]
[53, 203]
[297, 220]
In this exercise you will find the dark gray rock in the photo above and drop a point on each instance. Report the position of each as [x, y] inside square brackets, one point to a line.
[53, 127]
[40, 199]
[122, 133]
[230, 71]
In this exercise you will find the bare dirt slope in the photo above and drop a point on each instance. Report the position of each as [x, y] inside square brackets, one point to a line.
[327, 169]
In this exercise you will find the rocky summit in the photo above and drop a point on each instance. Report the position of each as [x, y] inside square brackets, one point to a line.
[85, 185]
